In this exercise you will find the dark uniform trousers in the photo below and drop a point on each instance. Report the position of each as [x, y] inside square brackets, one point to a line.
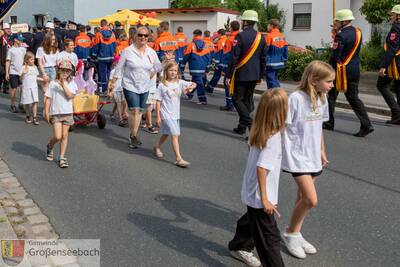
[383, 87]
[259, 229]
[243, 102]
[354, 101]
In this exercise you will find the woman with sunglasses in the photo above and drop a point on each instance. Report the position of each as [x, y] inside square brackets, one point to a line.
[138, 63]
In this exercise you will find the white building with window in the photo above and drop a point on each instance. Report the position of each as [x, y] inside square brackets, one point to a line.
[308, 21]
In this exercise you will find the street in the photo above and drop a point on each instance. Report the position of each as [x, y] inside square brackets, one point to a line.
[148, 212]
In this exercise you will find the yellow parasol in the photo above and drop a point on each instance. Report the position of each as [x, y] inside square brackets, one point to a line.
[126, 16]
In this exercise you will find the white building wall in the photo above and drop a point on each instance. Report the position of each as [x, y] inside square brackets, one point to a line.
[321, 19]
[90, 9]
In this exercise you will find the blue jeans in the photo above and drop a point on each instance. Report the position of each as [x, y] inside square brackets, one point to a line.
[104, 74]
[272, 78]
[214, 80]
[135, 100]
[201, 93]
[51, 72]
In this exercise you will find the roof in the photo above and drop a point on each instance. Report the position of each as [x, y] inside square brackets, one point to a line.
[185, 10]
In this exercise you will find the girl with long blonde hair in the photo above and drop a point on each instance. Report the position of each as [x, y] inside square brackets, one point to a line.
[261, 184]
[304, 153]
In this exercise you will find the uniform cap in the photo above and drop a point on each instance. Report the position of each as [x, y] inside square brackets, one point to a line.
[49, 25]
[6, 26]
[56, 20]
[250, 15]
[344, 14]
[396, 9]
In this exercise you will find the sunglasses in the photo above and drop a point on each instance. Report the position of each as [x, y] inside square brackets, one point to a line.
[143, 35]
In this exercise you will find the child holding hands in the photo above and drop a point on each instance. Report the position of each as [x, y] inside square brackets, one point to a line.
[168, 97]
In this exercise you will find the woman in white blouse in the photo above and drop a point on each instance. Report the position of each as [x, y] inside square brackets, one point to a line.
[138, 63]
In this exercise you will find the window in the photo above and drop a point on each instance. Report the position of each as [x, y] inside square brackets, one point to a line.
[39, 19]
[302, 16]
[13, 19]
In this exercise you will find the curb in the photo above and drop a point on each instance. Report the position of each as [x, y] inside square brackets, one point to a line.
[21, 218]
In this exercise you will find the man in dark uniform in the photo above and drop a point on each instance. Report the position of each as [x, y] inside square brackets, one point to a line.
[389, 67]
[247, 76]
[72, 30]
[38, 38]
[345, 58]
[63, 29]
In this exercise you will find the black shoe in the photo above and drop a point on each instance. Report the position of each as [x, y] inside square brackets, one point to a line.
[225, 108]
[394, 121]
[364, 132]
[239, 131]
[328, 126]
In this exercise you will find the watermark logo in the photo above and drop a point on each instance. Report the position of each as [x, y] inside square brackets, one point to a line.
[12, 251]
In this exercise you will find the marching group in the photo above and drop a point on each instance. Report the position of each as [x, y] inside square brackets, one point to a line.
[145, 73]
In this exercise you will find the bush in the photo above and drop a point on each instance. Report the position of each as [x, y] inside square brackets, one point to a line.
[296, 64]
[370, 57]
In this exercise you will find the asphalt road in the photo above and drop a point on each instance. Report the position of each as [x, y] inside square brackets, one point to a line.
[147, 212]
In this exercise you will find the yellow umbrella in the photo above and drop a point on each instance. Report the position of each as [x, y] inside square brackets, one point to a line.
[126, 16]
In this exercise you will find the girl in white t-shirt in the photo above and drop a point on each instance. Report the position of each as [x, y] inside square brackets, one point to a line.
[59, 110]
[47, 58]
[261, 184]
[168, 97]
[304, 153]
[29, 94]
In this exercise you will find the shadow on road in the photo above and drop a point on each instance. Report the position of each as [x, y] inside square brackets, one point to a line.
[179, 239]
[28, 150]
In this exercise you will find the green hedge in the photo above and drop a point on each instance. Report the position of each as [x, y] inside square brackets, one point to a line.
[370, 57]
[297, 62]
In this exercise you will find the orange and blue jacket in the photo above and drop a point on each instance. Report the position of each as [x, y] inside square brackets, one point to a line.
[166, 42]
[120, 47]
[219, 49]
[277, 50]
[104, 45]
[198, 56]
[83, 45]
[209, 46]
[226, 55]
[182, 43]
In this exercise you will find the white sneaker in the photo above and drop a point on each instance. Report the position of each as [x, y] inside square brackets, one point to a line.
[293, 244]
[246, 257]
[308, 248]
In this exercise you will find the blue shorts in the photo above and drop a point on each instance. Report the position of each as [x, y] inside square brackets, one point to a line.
[135, 100]
[51, 72]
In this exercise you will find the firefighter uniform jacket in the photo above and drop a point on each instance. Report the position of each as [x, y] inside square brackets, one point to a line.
[104, 45]
[83, 44]
[166, 42]
[392, 47]
[277, 50]
[198, 57]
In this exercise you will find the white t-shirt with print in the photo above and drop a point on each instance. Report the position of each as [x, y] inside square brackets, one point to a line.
[16, 57]
[302, 138]
[60, 103]
[268, 158]
[72, 57]
[118, 85]
[170, 97]
[48, 60]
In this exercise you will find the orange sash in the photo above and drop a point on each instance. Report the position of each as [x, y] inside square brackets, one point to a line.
[341, 74]
[244, 60]
[393, 71]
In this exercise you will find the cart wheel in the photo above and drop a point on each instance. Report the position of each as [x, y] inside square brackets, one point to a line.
[101, 121]
[71, 128]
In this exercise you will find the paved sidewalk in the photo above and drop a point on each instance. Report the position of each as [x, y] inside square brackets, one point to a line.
[21, 218]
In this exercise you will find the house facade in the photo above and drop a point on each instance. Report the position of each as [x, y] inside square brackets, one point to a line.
[36, 12]
[308, 21]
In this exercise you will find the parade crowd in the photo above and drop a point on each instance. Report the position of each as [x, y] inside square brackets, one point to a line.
[143, 72]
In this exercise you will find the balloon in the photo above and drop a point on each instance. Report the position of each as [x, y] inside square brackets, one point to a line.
[153, 14]
[148, 14]
[140, 17]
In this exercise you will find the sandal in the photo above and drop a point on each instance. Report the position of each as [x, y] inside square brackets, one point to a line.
[35, 121]
[49, 153]
[182, 163]
[123, 123]
[28, 120]
[63, 163]
[112, 118]
[158, 153]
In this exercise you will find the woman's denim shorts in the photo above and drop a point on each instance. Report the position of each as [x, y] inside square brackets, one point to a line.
[51, 72]
[135, 100]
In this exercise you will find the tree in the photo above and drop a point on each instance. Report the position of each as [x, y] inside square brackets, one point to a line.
[272, 11]
[376, 11]
[195, 3]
